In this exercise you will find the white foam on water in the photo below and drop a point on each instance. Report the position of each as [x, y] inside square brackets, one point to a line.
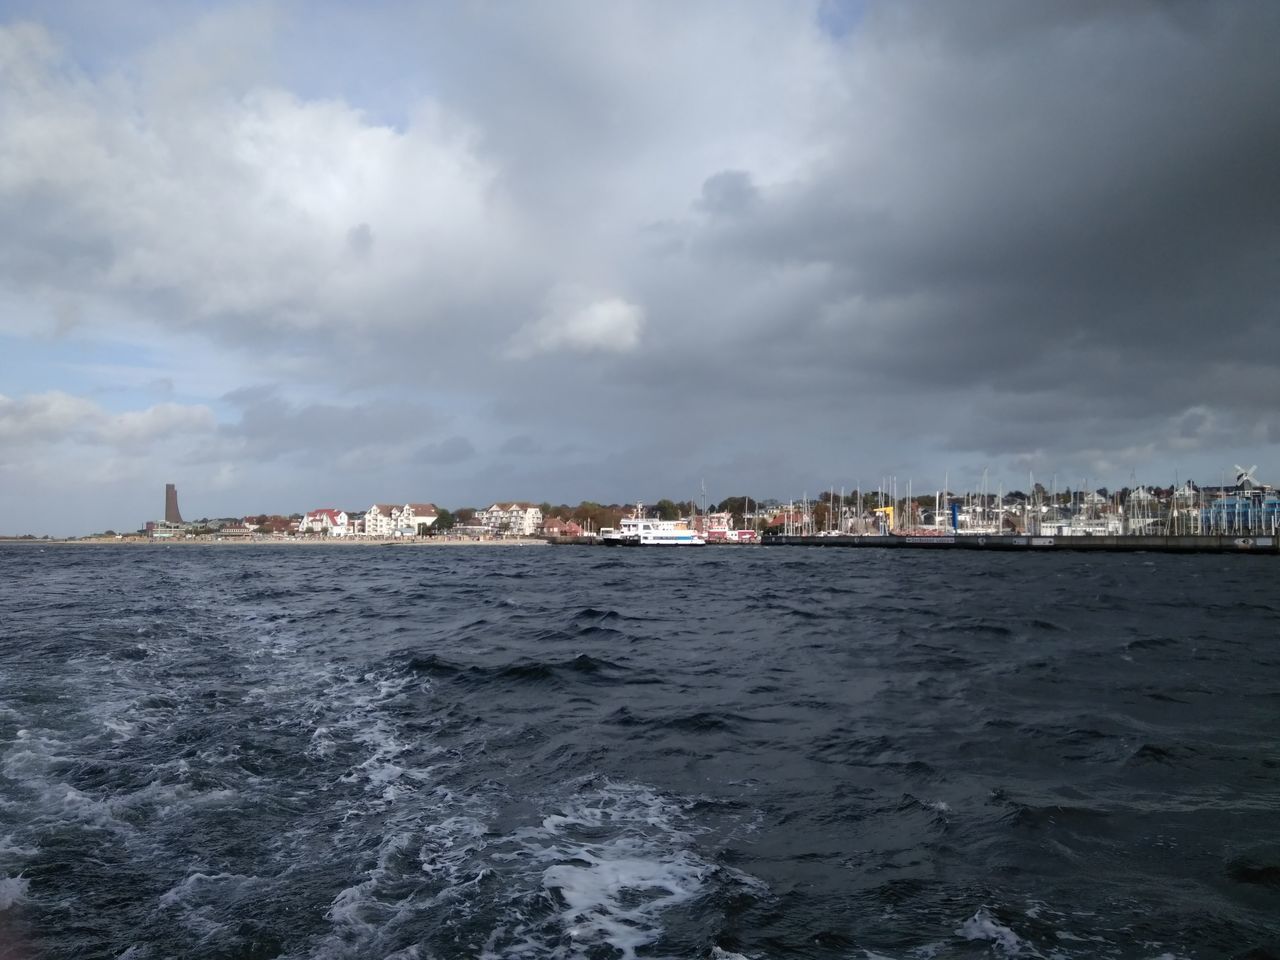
[983, 926]
[178, 798]
[198, 885]
[618, 896]
[615, 859]
[12, 890]
[199, 897]
[362, 722]
[64, 802]
[1069, 943]
[123, 730]
[450, 847]
[32, 756]
[12, 849]
[321, 746]
[364, 915]
[39, 763]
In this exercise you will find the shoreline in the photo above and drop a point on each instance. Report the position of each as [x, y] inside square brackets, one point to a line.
[342, 542]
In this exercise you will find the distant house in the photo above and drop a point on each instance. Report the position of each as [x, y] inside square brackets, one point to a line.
[715, 526]
[559, 527]
[1142, 495]
[335, 523]
[516, 519]
[267, 524]
[381, 520]
[415, 516]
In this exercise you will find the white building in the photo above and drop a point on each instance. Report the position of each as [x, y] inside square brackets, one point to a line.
[398, 520]
[381, 520]
[515, 519]
[413, 516]
[335, 523]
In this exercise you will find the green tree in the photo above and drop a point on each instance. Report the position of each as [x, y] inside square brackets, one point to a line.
[444, 521]
[738, 507]
[667, 510]
[594, 516]
[821, 514]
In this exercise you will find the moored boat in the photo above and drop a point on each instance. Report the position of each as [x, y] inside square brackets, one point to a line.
[640, 530]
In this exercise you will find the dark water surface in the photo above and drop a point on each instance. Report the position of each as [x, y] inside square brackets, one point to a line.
[573, 752]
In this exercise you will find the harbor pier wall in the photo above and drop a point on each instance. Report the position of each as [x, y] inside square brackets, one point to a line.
[1101, 544]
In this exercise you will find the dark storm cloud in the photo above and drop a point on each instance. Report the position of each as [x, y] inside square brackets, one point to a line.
[1060, 212]
[729, 193]
[519, 445]
[272, 426]
[446, 452]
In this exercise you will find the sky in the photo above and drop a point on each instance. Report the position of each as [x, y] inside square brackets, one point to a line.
[291, 255]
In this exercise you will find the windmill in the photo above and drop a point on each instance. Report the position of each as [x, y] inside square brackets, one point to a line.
[1245, 480]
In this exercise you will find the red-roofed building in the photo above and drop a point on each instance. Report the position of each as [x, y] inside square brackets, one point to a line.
[559, 527]
[333, 522]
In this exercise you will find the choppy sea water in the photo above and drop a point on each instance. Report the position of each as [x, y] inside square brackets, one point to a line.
[573, 752]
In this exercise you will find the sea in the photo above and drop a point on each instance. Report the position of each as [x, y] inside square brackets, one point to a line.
[573, 752]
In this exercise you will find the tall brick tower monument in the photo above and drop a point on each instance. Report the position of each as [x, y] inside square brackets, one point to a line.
[171, 514]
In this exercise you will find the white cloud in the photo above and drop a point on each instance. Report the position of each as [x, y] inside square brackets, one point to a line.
[55, 417]
[161, 421]
[239, 211]
[43, 417]
[577, 322]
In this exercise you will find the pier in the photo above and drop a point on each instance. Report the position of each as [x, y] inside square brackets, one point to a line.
[1095, 544]
[1099, 544]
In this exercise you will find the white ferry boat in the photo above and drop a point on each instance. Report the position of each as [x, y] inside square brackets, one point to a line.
[640, 530]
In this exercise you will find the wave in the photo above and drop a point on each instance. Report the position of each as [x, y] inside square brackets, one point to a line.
[535, 672]
[1253, 873]
[984, 926]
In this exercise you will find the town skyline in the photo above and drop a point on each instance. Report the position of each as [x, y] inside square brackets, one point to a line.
[889, 489]
[577, 251]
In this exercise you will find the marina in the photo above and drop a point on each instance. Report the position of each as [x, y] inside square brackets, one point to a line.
[1087, 544]
[1241, 518]
[1092, 544]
